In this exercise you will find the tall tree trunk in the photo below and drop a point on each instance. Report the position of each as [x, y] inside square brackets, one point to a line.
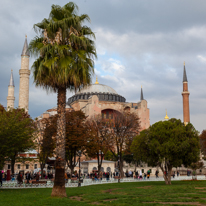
[59, 181]
[42, 170]
[169, 175]
[121, 168]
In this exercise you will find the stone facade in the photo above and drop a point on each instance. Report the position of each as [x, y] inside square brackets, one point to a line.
[97, 102]
[10, 97]
[185, 97]
[24, 73]
[92, 165]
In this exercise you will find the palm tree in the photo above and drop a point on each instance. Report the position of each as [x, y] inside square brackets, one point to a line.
[65, 60]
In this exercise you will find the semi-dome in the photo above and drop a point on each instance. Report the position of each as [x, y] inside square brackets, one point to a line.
[104, 93]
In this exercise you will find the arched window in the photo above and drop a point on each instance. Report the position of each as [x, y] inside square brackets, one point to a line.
[102, 169]
[107, 112]
[108, 169]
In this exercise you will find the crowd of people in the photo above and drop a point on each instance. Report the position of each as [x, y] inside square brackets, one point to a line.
[94, 175]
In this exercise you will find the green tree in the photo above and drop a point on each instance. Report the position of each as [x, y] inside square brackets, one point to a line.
[65, 54]
[46, 140]
[16, 134]
[5, 142]
[76, 137]
[98, 139]
[167, 144]
[124, 127]
[203, 143]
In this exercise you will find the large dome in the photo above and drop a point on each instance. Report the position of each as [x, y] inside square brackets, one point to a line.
[97, 88]
[104, 93]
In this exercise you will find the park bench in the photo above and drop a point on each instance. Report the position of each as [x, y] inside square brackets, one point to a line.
[117, 177]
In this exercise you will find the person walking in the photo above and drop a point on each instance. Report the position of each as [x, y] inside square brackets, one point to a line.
[156, 173]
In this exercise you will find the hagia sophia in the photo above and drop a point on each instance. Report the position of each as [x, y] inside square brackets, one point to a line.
[94, 99]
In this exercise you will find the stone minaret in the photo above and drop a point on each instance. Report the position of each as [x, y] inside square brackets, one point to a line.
[11, 98]
[185, 96]
[24, 73]
[141, 95]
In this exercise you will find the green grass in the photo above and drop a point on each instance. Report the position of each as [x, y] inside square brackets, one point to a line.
[127, 194]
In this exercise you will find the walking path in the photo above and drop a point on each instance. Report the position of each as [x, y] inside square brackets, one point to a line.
[86, 182]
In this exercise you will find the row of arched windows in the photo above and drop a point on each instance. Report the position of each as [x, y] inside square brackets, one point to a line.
[101, 96]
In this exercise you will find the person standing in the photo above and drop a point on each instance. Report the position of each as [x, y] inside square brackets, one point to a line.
[20, 178]
[28, 176]
[100, 175]
[37, 177]
[140, 174]
[66, 177]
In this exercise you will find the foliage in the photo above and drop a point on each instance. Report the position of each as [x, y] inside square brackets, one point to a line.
[98, 139]
[16, 134]
[76, 136]
[167, 144]
[196, 165]
[109, 156]
[124, 127]
[65, 59]
[46, 140]
[64, 49]
[203, 143]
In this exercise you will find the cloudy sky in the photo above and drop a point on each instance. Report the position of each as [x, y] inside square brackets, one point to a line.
[139, 42]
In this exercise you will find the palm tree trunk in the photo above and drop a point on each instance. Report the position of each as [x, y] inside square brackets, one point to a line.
[59, 181]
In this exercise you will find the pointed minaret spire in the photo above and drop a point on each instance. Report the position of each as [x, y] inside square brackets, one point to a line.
[185, 97]
[11, 82]
[10, 97]
[25, 51]
[184, 74]
[24, 73]
[141, 95]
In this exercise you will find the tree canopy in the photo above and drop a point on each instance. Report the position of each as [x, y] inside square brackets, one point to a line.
[123, 128]
[203, 143]
[16, 135]
[167, 144]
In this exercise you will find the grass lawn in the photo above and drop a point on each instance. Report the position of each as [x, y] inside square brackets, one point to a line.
[138, 193]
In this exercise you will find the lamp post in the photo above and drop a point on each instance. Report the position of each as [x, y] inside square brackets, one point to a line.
[79, 154]
[119, 168]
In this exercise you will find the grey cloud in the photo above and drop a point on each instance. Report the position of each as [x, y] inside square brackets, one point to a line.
[151, 39]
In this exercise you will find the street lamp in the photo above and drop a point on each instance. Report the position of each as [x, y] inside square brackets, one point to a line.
[119, 168]
[79, 153]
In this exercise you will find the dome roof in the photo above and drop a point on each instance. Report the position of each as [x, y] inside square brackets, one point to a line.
[97, 88]
[104, 93]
